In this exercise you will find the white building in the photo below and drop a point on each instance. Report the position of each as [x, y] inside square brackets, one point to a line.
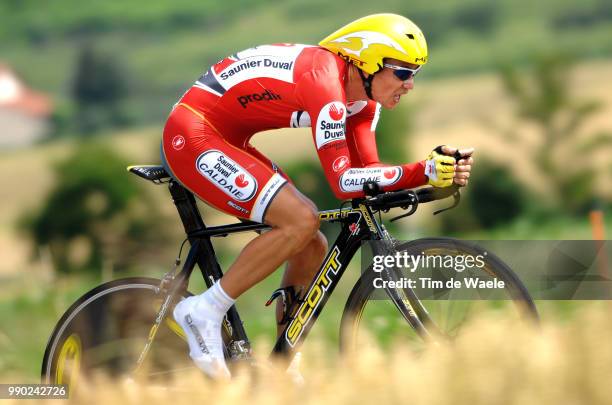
[24, 113]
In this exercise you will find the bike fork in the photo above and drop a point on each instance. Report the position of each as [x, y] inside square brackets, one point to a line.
[178, 285]
[403, 302]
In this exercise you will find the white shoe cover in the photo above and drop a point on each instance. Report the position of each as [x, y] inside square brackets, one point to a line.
[203, 336]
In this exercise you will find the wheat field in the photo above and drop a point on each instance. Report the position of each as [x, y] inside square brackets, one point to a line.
[493, 361]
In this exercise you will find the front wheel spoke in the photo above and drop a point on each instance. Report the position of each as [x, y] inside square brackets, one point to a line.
[440, 318]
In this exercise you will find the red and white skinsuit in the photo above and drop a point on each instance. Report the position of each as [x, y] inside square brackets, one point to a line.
[206, 139]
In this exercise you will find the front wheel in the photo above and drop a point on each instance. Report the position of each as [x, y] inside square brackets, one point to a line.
[105, 331]
[370, 314]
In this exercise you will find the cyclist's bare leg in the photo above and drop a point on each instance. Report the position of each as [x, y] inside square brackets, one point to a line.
[301, 269]
[294, 222]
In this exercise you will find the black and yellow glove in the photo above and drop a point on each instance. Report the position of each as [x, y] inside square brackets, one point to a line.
[440, 168]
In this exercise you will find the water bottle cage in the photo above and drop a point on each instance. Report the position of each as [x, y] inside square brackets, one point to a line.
[291, 298]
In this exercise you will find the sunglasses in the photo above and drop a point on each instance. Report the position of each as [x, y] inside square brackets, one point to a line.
[401, 72]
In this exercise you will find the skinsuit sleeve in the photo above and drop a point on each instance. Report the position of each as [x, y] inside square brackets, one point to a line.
[348, 153]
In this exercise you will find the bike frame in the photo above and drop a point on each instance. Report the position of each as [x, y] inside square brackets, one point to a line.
[358, 224]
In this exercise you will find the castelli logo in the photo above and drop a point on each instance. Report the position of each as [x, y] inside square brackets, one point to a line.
[340, 163]
[178, 142]
[336, 113]
[389, 174]
[240, 181]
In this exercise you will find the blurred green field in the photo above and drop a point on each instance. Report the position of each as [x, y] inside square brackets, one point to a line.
[164, 47]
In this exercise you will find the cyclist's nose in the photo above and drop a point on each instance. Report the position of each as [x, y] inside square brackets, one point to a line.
[408, 84]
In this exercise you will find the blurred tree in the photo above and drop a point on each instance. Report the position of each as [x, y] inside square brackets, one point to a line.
[479, 17]
[309, 179]
[542, 96]
[92, 217]
[494, 197]
[393, 134]
[98, 90]
[583, 16]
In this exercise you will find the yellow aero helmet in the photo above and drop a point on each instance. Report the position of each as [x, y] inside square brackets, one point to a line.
[368, 40]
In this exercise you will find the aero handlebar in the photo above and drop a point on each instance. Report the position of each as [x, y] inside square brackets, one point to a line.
[407, 198]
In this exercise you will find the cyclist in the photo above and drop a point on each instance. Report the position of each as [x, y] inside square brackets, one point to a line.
[337, 89]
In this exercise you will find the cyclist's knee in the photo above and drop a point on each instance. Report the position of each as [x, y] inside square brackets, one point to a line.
[310, 221]
[295, 216]
[302, 227]
[319, 243]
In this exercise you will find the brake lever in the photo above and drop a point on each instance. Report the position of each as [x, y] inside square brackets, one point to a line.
[456, 198]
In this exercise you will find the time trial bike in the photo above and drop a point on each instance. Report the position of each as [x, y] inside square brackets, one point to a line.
[125, 326]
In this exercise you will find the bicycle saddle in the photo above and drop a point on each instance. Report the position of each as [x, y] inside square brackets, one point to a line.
[156, 174]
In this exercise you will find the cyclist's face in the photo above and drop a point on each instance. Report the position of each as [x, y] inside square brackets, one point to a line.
[387, 88]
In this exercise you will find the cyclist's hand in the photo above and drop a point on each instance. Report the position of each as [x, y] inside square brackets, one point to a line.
[440, 168]
[464, 164]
